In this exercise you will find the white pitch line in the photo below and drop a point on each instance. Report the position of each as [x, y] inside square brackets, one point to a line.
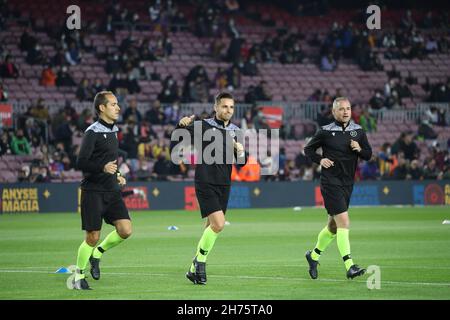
[437, 284]
[226, 265]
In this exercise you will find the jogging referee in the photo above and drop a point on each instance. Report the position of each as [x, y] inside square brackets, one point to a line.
[100, 189]
[213, 179]
[342, 143]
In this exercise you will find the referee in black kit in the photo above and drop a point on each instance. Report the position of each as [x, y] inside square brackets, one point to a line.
[100, 189]
[342, 143]
[213, 179]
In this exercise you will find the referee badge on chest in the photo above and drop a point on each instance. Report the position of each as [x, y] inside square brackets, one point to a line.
[232, 134]
[353, 133]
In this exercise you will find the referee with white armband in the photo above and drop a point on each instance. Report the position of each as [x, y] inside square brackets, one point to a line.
[342, 143]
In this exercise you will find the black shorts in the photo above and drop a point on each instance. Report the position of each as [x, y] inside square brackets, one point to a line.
[336, 198]
[96, 206]
[212, 198]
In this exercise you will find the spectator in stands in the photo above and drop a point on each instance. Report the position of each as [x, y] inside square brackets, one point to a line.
[35, 56]
[144, 149]
[64, 134]
[58, 60]
[84, 92]
[407, 21]
[233, 78]
[327, 63]
[234, 49]
[160, 148]
[130, 143]
[250, 95]
[155, 115]
[5, 147]
[132, 110]
[169, 91]
[8, 69]
[430, 172]
[401, 170]
[142, 72]
[431, 45]
[428, 21]
[27, 41]
[39, 111]
[371, 62]
[73, 55]
[367, 121]
[393, 101]
[262, 92]
[414, 171]
[426, 131]
[162, 168]
[439, 93]
[370, 169]
[172, 113]
[407, 146]
[48, 77]
[97, 86]
[220, 79]
[324, 116]
[85, 119]
[3, 93]
[19, 144]
[410, 79]
[377, 101]
[146, 131]
[64, 79]
[132, 84]
[217, 47]
[250, 67]
[386, 161]
[113, 64]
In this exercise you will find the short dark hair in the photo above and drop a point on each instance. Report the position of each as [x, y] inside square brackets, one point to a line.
[223, 95]
[100, 98]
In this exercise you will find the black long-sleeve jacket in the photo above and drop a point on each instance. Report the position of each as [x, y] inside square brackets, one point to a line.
[334, 140]
[216, 172]
[99, 146]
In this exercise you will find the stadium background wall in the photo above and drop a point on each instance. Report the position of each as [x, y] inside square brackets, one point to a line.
[64, 197]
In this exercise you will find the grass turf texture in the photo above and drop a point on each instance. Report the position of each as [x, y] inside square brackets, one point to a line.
[260, 255]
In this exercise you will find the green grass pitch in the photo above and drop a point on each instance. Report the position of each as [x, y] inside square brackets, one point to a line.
[260, 255]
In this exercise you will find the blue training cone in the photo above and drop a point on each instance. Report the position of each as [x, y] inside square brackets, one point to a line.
[63, 270]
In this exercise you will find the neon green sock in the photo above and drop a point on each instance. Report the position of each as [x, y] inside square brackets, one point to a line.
[324, 238]
[111, 240]
[205, 245]
[84, 252]
[343, 243]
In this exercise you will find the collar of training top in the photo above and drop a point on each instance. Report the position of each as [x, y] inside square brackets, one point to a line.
[221, 125]
[101, 126]
[339, 126]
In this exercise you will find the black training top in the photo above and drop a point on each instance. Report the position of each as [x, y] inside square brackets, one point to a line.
[218, 171]
[334, 140]
[100, 146]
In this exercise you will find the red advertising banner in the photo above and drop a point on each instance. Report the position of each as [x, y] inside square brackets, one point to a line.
[190, 199]
[6, 115]
[138, 200]
[318, 197]
[273, 116]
